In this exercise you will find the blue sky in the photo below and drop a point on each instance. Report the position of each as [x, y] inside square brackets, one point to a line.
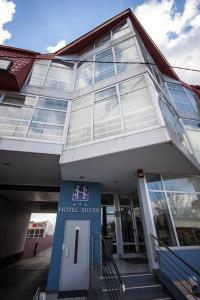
[40, 23]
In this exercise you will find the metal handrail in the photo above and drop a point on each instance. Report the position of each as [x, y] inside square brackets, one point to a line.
[176, 255]
[37, 294]
[109, 265]
[173, 262]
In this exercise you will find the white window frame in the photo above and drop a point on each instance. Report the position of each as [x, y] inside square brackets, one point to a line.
[24, 138]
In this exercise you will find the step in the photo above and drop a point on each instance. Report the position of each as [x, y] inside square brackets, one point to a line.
[142, 292]
[134, 280]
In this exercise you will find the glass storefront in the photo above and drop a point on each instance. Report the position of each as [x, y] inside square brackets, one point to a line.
[175, 202]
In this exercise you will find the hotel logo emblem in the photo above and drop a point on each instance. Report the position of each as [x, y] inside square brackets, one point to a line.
[80, 193]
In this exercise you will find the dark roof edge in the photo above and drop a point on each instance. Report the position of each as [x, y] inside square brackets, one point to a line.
[18, 49]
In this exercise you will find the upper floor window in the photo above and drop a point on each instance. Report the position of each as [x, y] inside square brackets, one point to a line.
[184, 99]
[51, 74]
[107, 63]
[28, 116]
[121, 108]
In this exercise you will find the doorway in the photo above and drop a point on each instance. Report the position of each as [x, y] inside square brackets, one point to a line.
[121, 220]
[75, 256]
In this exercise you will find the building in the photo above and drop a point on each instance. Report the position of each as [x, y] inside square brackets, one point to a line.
[39, 238]
[40, 229]
[105, 128]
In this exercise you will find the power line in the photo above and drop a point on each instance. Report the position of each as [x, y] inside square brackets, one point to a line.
[101, 62]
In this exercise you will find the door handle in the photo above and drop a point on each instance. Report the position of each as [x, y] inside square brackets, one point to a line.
[67, 252]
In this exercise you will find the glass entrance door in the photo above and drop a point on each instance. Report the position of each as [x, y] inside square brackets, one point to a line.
[131, 225]
[121, 221]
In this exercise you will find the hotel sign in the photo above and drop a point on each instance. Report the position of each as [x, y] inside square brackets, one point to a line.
[73, 209]
[80, 193]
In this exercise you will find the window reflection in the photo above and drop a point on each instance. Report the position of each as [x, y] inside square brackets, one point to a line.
[162, 218]
[186, 214]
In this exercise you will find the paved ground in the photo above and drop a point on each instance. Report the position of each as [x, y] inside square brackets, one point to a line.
[21, 280]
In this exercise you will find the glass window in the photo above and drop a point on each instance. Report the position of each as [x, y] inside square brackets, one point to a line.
[19, 100]
[186, 214]
[53, 75]
[103, 40]
[82, 102]
[80, 126]
[14, 120]
[194, 99]
[178, 184]
[107, 121]
[121, 30]
[103, 68]
[154, 182]
[162, 218]
[84, 74]
[38, 73]
[132, 84]
[48, 116]
[137, 109]
[105, 93]
[52, 104]
[127, 55]
[59, 76]
[180, 98]
[45, 132]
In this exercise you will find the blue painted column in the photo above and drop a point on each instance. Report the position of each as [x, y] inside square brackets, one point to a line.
[70, 208]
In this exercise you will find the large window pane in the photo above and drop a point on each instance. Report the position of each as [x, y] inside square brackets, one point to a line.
[138, 112]
[132, 84]
[178, 184]
[180, 98]
[121, 30]
[162, 218]
[127, 55]
[38, 73]
[154, 182]
[45, 132]
[59, 76]
[189, 184]
[103, 40]
[186, 214]
[52, 104]
[14, 120]
[103, 68]
[80, 126]
[107, 121]
[85, 76]
[47, 116]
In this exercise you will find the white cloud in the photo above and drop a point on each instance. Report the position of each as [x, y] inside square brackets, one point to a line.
[58, 46]
[7, 11]
[175, 33]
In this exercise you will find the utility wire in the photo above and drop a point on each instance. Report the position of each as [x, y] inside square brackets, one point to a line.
[101, 62]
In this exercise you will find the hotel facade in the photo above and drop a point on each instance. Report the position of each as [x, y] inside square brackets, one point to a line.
[104, 129]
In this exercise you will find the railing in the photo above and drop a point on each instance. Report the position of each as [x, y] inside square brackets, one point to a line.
[37, 294]
[114, 283]
[185, 277]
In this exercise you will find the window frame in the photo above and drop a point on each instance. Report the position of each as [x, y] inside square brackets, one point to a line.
[123, 133]
[71, 85]
[34, 107]
[165, 191]
[168, 83]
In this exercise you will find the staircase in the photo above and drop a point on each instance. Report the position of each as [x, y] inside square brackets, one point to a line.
[139, 286]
